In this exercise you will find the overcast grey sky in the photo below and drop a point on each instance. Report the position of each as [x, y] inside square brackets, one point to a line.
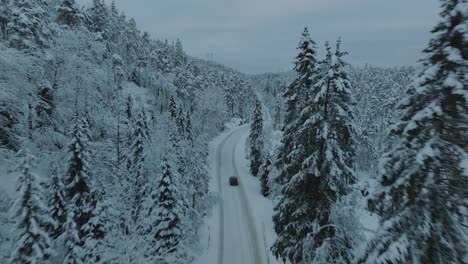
[256, 36]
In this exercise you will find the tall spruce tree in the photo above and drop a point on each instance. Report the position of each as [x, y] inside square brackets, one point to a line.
[329, 167]
[188, 128]
[291, 214]
[181, 122]
[31, 215]
[422, 197]
[78, 189]
[129, 107]
[57, 204]
[326, 171]
[180, 57]
[137, 173]
[295, 94]
[181, 149]
[172, 108]
[256, 139]
[264, 176]
[168, 231]
[77, 179]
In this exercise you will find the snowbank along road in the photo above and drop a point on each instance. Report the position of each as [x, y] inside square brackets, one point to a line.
[240, 242]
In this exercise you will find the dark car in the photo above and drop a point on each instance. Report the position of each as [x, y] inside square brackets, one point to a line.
[233, 180]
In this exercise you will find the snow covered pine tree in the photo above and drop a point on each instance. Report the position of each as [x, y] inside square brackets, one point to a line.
[329, 167]
[291, 212]
[264, 176]
[256, 139]
[78, 190]
[168, 231]
[137, 175]
[96, 228]
[68, 13]
[57, 204]
[295, 94]
[98, 16]
[32, 217]
[422, 199]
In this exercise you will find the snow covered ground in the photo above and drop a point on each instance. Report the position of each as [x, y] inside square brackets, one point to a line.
[240, 230]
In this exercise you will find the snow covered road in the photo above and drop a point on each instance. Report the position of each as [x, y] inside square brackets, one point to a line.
[240, 229]
[238, 237]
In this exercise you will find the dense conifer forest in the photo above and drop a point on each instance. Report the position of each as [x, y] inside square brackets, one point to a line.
[117, 147]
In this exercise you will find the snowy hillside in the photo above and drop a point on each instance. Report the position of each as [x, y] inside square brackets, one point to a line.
[85, 86]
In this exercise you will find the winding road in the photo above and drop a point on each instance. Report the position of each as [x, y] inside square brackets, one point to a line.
[239, 239]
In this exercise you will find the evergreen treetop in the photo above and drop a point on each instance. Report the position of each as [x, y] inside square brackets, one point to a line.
[306, 62]
[68, 13]
[297, 92]
[98, 16]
